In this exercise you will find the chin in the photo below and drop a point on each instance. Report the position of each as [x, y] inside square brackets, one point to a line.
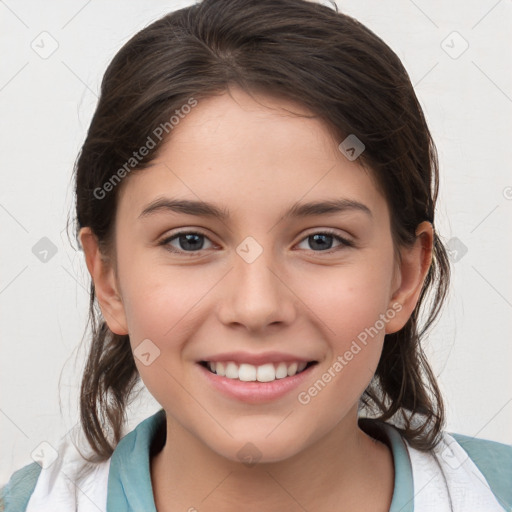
[252, 450]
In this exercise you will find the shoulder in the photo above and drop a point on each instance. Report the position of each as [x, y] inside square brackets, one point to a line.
[15, 495]
[467, 472]
[61, 480]
[64, 480]
[494, 460]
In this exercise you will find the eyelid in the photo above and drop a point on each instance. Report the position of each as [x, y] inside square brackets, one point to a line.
[165, 241]
[327, 231]
[344, 241]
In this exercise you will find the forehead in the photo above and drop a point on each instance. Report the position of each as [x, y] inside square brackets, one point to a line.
[251, 155]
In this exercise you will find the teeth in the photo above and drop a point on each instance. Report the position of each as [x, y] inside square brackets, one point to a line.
[281, 371]
[266, 373]
[231, 371]
[292, 369]
[301, 367]
[250, 373]
[219, 368]
[247, 372]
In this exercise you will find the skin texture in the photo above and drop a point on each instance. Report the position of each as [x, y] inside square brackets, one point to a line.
[253, 158]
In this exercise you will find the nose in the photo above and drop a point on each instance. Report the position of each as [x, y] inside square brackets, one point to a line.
[256, 296]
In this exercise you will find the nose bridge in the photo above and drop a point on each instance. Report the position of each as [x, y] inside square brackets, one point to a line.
[255, 297]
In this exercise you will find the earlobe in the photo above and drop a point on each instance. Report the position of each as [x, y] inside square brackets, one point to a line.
[412, 271]
[105, 285]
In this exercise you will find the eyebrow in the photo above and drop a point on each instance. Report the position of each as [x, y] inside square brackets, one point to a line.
[205, 209]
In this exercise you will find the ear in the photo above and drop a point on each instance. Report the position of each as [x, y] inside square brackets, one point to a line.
[105, 282]
[410, 276]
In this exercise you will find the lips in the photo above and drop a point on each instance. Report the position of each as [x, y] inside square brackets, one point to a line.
[255, 392]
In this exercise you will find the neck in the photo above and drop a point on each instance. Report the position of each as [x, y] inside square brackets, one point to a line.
[345, 466]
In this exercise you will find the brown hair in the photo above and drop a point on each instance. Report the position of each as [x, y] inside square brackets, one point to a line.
[344, 74]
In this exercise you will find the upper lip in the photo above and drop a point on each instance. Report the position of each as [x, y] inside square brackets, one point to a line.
[257, 359]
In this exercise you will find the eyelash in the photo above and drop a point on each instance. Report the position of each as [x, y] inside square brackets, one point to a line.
[343, 241]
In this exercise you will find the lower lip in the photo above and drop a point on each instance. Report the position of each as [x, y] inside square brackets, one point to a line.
[255, 392]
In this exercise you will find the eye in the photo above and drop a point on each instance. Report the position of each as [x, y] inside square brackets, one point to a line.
[186, 242]
[192, 242]
[323, 240]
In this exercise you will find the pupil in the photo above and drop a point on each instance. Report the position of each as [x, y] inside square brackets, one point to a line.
[192, 240]
[318, 239]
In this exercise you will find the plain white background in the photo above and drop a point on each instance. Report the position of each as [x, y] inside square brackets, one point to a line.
[46, 104]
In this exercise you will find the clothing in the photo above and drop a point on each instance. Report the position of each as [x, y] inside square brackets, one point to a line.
[461, 474]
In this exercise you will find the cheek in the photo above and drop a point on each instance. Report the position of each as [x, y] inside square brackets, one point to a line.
[158, 315]
[355, 336]
[151, 310]
[158, 298]
[346, 301]
[352, 308]
[166, 306]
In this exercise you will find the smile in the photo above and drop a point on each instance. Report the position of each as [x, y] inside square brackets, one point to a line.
[245, 372]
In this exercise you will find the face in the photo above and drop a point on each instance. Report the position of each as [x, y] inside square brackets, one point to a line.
[267, 284]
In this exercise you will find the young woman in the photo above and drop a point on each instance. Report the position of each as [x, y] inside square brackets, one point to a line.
[255, 200]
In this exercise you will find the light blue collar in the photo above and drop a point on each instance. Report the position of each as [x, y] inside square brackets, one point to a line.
[129, 480]
[403, 491]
